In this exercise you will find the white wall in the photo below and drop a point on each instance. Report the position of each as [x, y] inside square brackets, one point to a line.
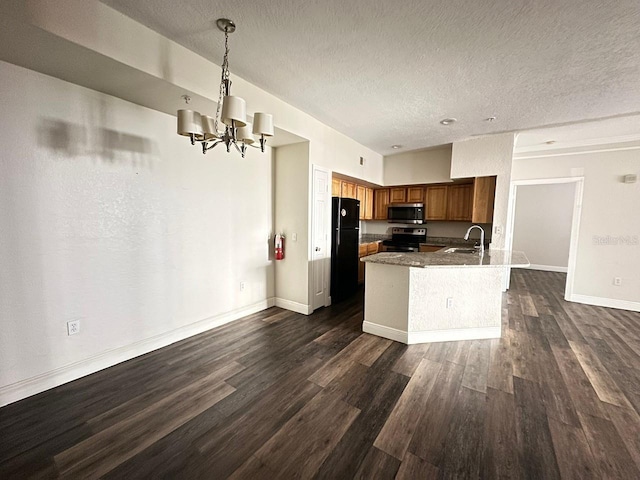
[187, 239]
[608, 244]
[542, 227]
[421, 166]
[110, 217]
[487, 156]
[291, 216]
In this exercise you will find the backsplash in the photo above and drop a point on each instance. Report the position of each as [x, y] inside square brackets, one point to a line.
[434, 229]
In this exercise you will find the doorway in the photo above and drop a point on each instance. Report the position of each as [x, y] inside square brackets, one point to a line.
[545, 224]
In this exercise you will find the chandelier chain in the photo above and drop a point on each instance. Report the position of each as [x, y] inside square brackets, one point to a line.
[224, 79]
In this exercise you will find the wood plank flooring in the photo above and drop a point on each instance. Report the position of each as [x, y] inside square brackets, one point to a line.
[282, 395]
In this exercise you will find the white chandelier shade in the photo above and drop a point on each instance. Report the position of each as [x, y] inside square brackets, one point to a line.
[234, 109]
[190, 123]
[263, 124]
[229, 127]
[209, 127]
[244, 134]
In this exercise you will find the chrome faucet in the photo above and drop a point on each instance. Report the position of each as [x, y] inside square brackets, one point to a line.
[466, 236]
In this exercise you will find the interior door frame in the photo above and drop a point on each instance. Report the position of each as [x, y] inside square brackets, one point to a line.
[575, 223]
[326, 245]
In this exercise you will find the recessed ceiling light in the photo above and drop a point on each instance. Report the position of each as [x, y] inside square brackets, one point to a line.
[396, 147]
[448, 121]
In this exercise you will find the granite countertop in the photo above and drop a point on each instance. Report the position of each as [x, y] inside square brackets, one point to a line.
[372, 238]
[439, 259]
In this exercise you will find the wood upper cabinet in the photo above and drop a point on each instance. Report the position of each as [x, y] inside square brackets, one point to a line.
[380, 203]
[484, 195]
[348, 189]
[415, 195]
[361, 194]
[436, 202]
[368, 204]
[336, 187]
[397, 195]
[460, 202]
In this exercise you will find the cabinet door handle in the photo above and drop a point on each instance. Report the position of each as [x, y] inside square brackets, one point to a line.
[317, 249]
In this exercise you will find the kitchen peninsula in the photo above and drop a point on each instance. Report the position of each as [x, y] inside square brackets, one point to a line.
[436, 297]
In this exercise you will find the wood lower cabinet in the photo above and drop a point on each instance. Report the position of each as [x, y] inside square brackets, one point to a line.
[364, 250]
[380, 203]
[436, 202]
[484, 195]
[460, 202]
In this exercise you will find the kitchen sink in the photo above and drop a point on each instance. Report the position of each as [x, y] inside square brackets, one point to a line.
[461, 250]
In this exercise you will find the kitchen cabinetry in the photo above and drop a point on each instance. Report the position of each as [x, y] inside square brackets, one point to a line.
[336, 187]
[364, 250]
[397, 195]
[415, 195]
[361, 194]
[381, 202]
[348, 189]
[484, 195]
[460, 202]
[436, 202]
[368, 204]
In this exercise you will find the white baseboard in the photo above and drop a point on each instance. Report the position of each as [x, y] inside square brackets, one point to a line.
[605, 302]
[39, 383]
[430, 336]
[294, 306]
[454, 335]
[547, 268]
[386, 332]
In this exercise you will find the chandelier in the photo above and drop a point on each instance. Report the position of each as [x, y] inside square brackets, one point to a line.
[229, 126]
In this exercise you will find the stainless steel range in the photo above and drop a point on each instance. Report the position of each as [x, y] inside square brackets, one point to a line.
[405, 240]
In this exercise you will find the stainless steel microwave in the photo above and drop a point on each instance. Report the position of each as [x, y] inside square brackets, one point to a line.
[406, 213]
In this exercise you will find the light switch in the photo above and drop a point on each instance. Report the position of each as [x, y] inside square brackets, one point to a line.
[294, 237]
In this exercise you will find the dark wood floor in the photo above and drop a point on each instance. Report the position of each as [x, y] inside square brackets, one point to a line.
[281, 395]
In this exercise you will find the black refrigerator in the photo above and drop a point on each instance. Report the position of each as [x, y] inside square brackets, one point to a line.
[344, 247]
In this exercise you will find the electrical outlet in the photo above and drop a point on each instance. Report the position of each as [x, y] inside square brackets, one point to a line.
[242, 286]
[73, 327]
[497, 229]
[617, 281]
[449, 302]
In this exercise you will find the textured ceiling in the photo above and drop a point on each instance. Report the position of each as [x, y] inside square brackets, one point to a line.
[385, 73]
